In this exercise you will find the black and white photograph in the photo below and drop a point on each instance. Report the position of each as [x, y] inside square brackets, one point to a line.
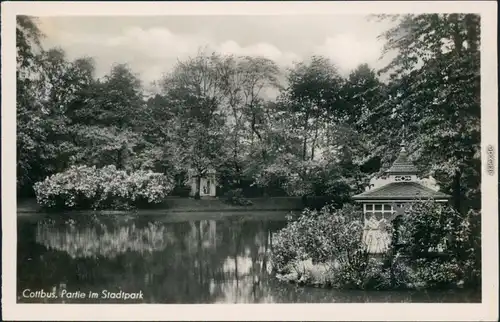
[241, 156]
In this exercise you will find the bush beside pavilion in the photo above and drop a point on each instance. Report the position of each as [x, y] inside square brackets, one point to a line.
[326, 248]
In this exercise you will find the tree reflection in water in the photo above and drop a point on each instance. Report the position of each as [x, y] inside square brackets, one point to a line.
[198, 261]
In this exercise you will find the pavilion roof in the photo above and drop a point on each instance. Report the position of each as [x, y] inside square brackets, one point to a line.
[401, 191]
[402, 165]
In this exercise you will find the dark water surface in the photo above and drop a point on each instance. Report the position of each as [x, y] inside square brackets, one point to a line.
[181, 258]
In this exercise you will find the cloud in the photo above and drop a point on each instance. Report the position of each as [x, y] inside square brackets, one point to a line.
[348, 51]
[154, 51]
[156, 43]
[260, 49]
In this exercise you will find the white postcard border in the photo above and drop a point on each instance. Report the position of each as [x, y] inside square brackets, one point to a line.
[487, 310]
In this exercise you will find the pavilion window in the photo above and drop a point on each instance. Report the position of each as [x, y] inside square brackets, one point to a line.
[378, 211]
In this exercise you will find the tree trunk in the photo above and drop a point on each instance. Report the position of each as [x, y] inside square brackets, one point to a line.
[125, 156]
[238, 174]
[306, 128]
[198, 187]
[456, 36]
[313, 146]
[304, 146]
[254, 131]
[472, 26]
[457, 193]
[118, 160]
[252, 126]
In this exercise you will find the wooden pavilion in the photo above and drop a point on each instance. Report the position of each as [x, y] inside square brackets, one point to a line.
[381, 205]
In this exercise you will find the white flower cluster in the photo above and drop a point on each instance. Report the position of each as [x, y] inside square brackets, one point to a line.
[90, 187]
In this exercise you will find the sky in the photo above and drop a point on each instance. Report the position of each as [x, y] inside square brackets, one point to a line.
[151, 45]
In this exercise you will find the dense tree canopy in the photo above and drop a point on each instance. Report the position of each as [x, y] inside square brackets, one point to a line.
[435, 91]
[322, 134]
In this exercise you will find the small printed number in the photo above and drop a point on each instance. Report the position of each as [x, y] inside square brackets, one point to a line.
[490, 163]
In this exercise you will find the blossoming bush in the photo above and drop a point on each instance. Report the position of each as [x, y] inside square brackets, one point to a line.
[84, 187]
[329, 238]
[325, 248]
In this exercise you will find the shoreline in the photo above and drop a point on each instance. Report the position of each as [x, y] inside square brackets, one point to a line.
[174, 205]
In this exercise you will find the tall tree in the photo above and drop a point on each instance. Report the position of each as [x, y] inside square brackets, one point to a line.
[245, 81]
[47, 84]
[313, 99]
[361, 141]
[28, 105]
[108, 118]
[436, 81]
[322, 148]
[195, 88]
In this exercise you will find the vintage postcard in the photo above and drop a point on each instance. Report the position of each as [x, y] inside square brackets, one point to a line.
[309, 161]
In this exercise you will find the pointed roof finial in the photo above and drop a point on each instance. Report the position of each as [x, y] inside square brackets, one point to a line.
[403, 141]
[402, 165]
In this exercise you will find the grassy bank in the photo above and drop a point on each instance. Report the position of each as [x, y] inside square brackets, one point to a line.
[188, 205]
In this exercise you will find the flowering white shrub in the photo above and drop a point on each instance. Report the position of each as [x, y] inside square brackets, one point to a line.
[83, 187]
[331, 237]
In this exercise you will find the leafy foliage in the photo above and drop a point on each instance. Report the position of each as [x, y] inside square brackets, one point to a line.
[438, 273]
[235, 197]
[67, 117]
[437, 237]
[435, 89]
[101, 143]
[331, 239]
[326, 235]
[439, 250]
[306, 131]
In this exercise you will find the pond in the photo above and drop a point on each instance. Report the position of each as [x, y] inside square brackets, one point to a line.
[172, 258]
